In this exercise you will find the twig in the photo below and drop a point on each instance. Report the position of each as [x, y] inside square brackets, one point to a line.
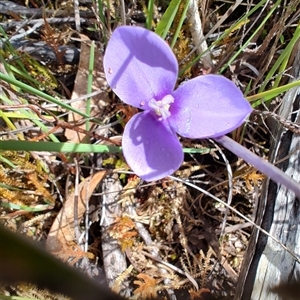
[77, 15]
[42, 52]
[8, 7]
[229, 198]
[114, 260]
[20, 24]
[123, 15]
[238, 213]
[27, 32]
[218, 24]
[195, 26]
[76, 199]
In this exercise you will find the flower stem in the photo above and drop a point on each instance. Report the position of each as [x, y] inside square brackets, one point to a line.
[262, 165]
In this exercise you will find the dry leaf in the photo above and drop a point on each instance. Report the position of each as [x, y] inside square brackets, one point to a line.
[61, 236]
[80, 89]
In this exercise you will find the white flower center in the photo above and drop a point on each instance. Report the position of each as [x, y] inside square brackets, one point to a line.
[161, 108]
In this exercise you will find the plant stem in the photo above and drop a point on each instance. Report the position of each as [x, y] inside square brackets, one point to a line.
[262, 165]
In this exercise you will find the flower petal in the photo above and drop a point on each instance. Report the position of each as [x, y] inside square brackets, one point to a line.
[139, 65]
[150, 148]
[208, 106]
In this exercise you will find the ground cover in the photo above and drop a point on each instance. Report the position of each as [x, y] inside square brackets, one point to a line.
[63, 179]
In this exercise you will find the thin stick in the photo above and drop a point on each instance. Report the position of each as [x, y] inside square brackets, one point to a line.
[195, 26]
[123, 14]
[77, 15]
[230, 187]
[238, 213]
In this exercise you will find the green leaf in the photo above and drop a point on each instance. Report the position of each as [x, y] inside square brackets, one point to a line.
[56, 147]
[167, 19]
[270, 94]
[13, 145]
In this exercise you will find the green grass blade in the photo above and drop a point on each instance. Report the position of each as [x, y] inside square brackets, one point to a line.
[25, 208]
[181, 20]
[226, 33]
[7, 161]
[257, 29]
[56, 147]
[102, 17]
[38, 93]
[90, 84]
[149, 18]
[282, 59]
[72, 147]
[270, 94]
[10, 125]
[29, 115]
[167, 19]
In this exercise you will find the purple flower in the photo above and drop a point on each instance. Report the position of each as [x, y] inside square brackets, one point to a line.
[142, 70]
